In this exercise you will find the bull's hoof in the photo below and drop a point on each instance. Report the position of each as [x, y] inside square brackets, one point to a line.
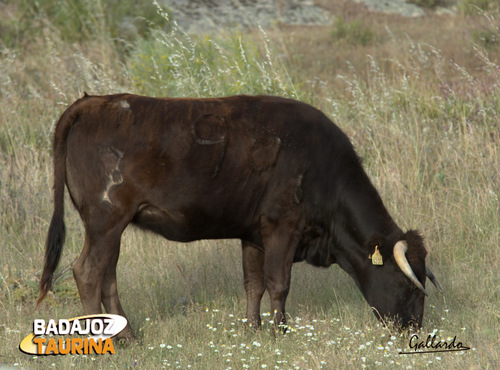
[283, 328]
[126, 337]
[251, 325]
[277, 330]
[124, 342]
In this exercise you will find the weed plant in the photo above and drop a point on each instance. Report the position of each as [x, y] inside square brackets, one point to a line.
[173, 63]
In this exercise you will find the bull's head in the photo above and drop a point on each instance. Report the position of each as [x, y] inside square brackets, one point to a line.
[394, 282]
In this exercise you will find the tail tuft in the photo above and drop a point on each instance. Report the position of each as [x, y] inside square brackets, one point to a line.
[57, 230]
[55, 242]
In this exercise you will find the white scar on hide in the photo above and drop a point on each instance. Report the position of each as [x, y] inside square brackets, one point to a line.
[124, 104]
[115, 176]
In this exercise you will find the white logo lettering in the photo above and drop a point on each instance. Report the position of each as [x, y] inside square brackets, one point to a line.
[64, 327]
[97, 326]
[39, 327]
[51, 328]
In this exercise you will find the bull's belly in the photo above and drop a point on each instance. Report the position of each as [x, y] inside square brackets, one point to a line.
[182, 227]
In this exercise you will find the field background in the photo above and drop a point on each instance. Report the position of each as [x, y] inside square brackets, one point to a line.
[420, 100]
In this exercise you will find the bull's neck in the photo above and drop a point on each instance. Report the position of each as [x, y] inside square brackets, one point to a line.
[361, 221]
[363, 205]
[366, 217]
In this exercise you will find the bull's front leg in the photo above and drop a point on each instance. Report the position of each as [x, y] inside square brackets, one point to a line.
[253, 271]
[280, 243]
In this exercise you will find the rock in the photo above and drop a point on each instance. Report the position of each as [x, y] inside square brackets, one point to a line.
[393, 6]
[127, 29]
[199, 16]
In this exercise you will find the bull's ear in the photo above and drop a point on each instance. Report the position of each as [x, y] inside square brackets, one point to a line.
[433, 279]
[375, 240]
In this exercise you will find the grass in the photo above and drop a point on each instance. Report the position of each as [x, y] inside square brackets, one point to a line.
[421, 110]
[353, 33]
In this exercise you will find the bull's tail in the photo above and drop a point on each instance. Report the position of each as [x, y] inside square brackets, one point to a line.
[57, 229]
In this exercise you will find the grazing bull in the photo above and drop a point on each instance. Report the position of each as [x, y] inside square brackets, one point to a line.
[273, 172]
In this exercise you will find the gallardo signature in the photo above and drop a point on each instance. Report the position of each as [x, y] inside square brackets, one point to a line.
[433, 344]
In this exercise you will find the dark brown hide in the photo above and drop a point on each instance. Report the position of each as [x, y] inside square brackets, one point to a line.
[273, 172]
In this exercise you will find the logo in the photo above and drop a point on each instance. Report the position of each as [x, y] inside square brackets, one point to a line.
[80, 335]
[432, 344]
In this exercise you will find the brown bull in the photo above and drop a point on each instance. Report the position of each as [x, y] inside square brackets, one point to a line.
[275, 173]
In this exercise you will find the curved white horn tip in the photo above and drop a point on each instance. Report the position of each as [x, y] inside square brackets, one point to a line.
[399, 252]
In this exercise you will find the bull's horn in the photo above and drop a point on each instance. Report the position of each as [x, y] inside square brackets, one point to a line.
[399, 253]
[433, 279]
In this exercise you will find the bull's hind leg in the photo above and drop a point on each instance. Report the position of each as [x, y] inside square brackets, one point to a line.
[255, 286]
[87, 283]
[109, 295]
[95, 269]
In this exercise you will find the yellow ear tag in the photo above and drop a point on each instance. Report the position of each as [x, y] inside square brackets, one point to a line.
[376, 257]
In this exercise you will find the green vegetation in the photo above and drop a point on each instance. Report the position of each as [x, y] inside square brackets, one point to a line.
[487, 37]
[77, 20]
[471, 7]
[422, 109]
[353, 33]
[174, 64]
